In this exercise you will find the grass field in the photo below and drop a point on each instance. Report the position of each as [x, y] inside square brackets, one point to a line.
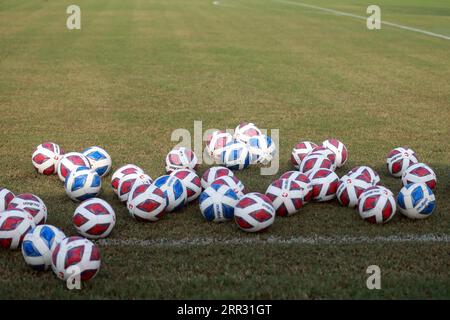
[137, 70]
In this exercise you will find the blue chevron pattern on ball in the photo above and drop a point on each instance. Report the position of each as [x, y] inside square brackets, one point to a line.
[83, 183]
[416, 201]
[235, 155]
[99, 160]
[217, 203]
[38, 244]
[174, 190]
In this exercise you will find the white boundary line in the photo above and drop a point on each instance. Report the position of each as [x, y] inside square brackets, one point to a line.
[273, 240]
[341, 13]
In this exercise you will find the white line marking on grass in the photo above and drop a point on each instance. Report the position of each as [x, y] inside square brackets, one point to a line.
[341, 13]
[273, 240]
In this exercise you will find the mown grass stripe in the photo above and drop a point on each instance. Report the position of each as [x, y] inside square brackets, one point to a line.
[312, 240]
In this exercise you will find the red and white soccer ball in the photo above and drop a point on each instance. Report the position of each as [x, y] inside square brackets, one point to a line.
[181, 158]
[94, 219]
[376, 205]
[302, 180]
[69, 162]
[14, 225]
[339, 149]
[245, 131]
[191, 181]
[31, 204]
[147, 203]
[350, 189]
[286, 196]
[324, 151]
[215, 143]
[314, 162]
[214, 173]
[399, 159]
[420, 173]
[324, 183]
[45, 157]
[127, 182]
[6, 197]
[364, 173]
[300, 151]
[121, 172]
[254, 212]
[232, 182]
[76, 256]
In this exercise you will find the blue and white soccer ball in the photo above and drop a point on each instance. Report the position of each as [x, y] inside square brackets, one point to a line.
[416, 201]
[262, 149]
[99, 159]
[174, 190]
[217, 203]
[38, 244]
[236, 156]
[83, 183]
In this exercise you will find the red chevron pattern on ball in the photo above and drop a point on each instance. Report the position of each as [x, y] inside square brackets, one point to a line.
[300, 151]
[286, 196]
[254, 212]
[420, 173]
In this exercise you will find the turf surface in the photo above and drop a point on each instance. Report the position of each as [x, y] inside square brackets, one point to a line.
[137, 70]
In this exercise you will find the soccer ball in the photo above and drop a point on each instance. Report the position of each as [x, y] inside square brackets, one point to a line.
[364, 173]
[94, 219]
[324, 151]
[302, 180]
[45, 157]
[6, 197]
[174, 190]
[376, 206]
[324, 183]
[75, 256]
[314, 162]
[214, 173]
[31, 204]
[262, 149]
[245, 131]
[350, 189]
[38, 244]
[216, 142]
[399, 159]
[181, 158]
[236, 156]
[147, 203]
[99, 159]
[70, 162]
[339, 149]
[121, 172]
[300, 151]
[234, 183]
[416, 201]
[420, 172]
[14, 225]
[254, 212]
[83, 183]
[286, 196]
[191, 181]
[217, 203]
[127, 182]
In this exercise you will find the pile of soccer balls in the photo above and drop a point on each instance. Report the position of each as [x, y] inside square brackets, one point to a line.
[222, 196]
[23, 217]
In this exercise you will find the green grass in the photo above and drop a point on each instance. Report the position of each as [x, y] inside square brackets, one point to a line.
[140, 69]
